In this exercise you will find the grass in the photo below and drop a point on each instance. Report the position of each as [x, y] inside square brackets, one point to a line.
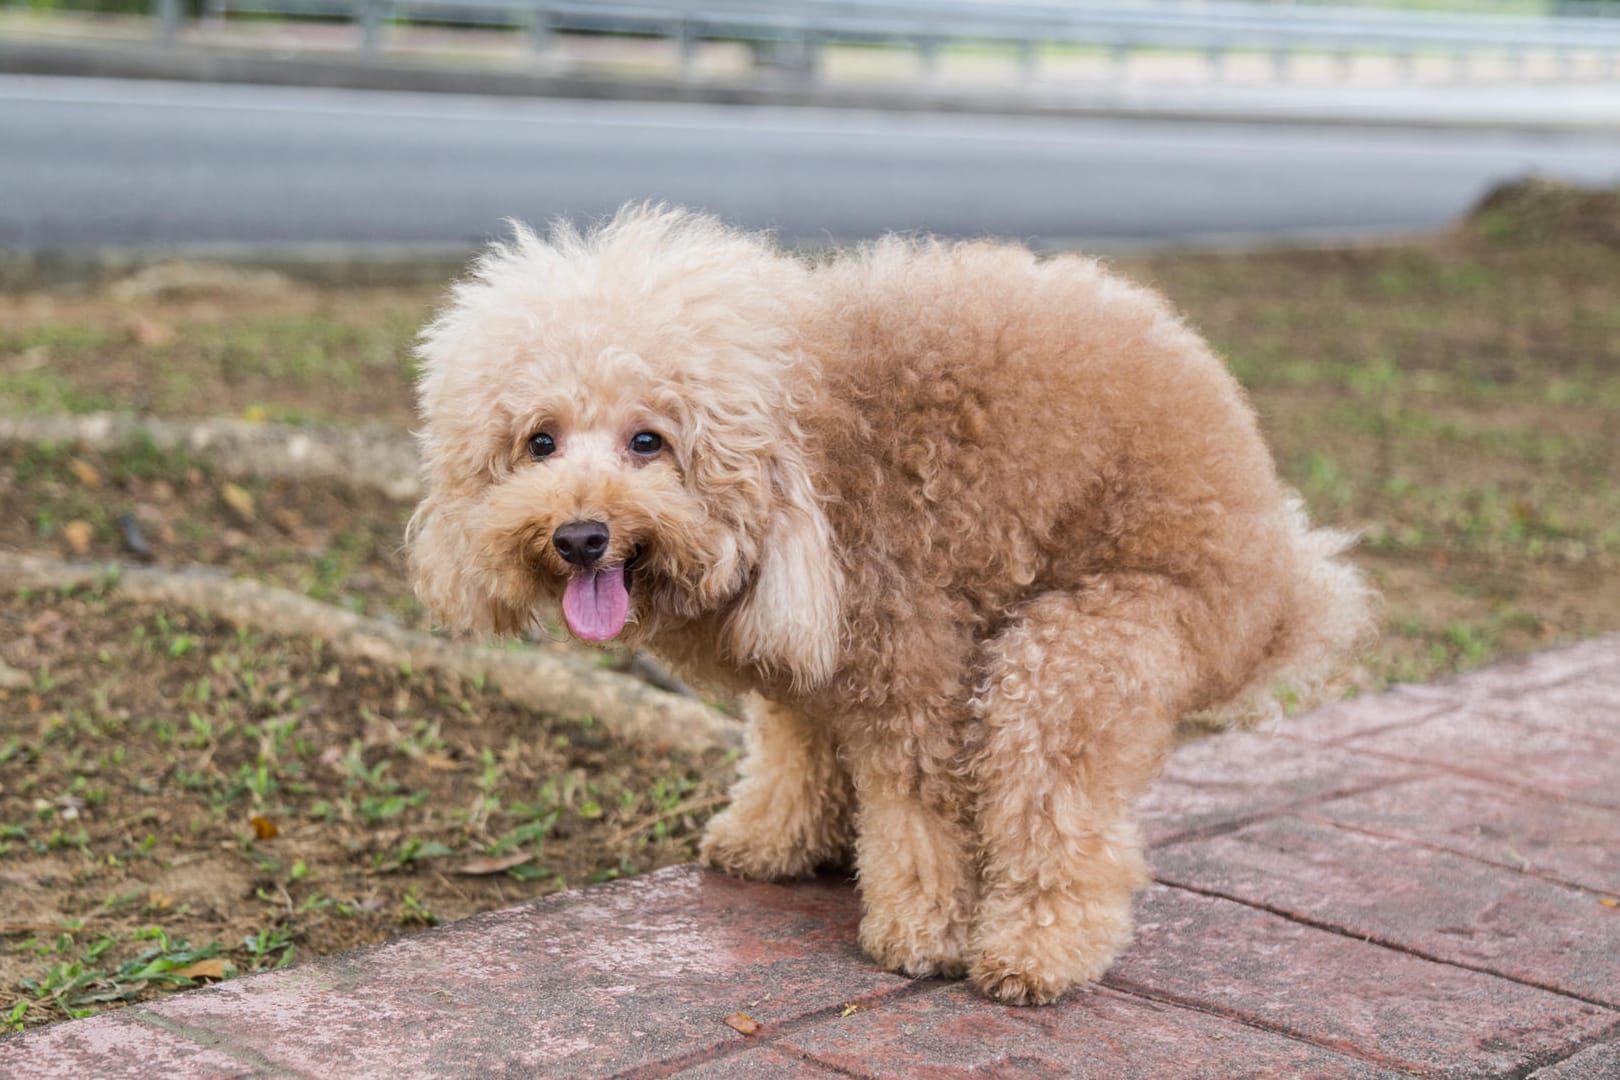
[175, 792]
[181, 791]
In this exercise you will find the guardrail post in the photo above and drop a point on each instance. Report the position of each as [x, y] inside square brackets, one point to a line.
[370, 24]
[1029, 58]
[928, 56]
[1119, 61]
[540, 36]
[686, 40]
[795, 58]
[168, 21]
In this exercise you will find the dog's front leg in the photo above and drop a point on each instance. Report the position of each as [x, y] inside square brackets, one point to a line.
[791, 811]
[913, 850]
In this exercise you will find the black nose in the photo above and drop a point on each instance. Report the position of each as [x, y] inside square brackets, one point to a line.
[581, 542]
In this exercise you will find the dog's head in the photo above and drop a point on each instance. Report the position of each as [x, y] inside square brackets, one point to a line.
[609, 426]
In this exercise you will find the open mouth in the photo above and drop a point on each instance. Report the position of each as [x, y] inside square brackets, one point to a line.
[596, 600]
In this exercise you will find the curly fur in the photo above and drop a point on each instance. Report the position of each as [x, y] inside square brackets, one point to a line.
[977, 529]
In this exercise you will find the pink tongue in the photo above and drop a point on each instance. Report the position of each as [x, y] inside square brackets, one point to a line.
[596, 603]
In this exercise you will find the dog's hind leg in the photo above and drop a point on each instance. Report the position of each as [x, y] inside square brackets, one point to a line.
[791, 811]
[1075, 712]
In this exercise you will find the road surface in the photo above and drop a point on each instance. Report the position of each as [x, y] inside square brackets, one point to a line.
[88, 164]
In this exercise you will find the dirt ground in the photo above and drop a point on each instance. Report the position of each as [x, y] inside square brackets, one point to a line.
[182, 799]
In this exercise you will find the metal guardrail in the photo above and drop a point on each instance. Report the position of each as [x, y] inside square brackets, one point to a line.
[792, 32]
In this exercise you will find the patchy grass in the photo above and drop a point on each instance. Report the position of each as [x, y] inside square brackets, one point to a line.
[324, 539]
[185, 800]
[254, 346]
[1452, 400]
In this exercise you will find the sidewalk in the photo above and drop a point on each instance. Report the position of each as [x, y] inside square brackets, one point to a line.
[1425, 882]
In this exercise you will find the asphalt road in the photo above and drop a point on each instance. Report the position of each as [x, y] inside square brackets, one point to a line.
[99, 163]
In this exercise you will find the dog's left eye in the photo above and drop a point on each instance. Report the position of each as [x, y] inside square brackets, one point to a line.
[646, 442]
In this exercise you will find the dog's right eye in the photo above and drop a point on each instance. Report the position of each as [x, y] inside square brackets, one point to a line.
[541, 445]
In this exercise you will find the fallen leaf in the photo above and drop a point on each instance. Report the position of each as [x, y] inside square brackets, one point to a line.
[490, 864]
[264, 828]
[78, 534]
[239, 500]
[203, 969]
[159, 901]
[86, 472]
[1610, 902]
[741, 1023]
[434, 759]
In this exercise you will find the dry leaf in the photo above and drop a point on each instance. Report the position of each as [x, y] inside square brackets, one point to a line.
[741, 1023]
[78, 534]
[203, 969]
[264, 828]
[489, 864]
[1610, 902]
[443, 762]
[159, 901]
[86, 472]
[237, 498]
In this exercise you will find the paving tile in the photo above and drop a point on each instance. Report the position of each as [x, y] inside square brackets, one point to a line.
[1100, 1034]
[1545, 835]
[114, 1046]
[1362, 715]
[1235, 775]
[582, 984]
[1589, 706]
[1527, 673]
[1345, 993]
[1504, 742]
[1441, 905]
[1601, 1062]
[758, 1063]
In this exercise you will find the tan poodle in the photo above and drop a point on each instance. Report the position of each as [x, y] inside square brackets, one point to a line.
[975, 529]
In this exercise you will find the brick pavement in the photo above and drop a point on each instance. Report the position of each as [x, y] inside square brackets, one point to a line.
[1408, 884]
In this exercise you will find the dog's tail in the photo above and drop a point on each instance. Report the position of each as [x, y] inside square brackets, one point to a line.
[1329, 619]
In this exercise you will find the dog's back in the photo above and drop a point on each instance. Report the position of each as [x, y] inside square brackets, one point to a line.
[997, 426]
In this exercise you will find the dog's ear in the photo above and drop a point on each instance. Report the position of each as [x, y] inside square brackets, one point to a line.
[450, 580]
[791, 615]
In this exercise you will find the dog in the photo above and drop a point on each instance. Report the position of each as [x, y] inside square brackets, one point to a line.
[973, 530]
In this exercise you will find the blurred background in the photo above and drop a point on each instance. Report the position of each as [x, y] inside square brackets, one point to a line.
[222, 223]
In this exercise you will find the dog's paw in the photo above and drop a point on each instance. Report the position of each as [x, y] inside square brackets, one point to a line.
[735, 845]
[1029, 954]
[919, 948]
[1017, 987]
